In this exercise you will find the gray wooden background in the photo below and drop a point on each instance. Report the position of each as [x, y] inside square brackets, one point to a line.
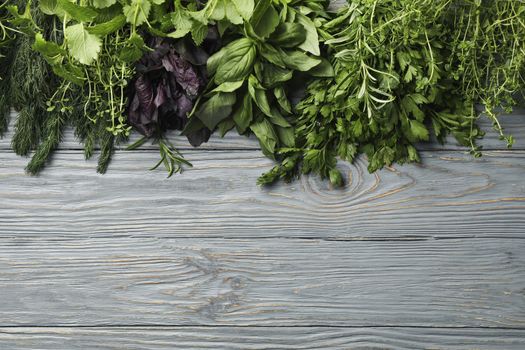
[417, 256]
[427, 256]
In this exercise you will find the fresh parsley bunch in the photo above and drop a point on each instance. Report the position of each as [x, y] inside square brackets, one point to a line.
[405, 69]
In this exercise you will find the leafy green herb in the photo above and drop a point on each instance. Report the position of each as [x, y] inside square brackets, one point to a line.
[269, 43]
[405, 70]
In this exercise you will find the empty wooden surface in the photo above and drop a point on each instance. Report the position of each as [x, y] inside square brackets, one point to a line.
[418, 256]
[450, 195]
[259, 338]
[125, 281]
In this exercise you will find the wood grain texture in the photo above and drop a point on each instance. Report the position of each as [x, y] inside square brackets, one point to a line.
[130, 280]
[260, 338]
[451, 195]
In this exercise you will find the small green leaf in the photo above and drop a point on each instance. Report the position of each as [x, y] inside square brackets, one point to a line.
[271, 75]
[82, 45]
[283, 101]
[288, 35]
[299, 60]
[229, 86]
[137, 12]
[265, 19]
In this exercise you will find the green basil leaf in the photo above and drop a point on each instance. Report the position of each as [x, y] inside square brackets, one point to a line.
[288, 35]
[299, 60]
[271, 75]
[261, 100]
[237, 62]
[229, 86]
[243, 115]
[311, 44]
[214, 61]
[216, 109]
[283, 101]
[265, 19]
[267, 136]
[225, 126]
[286, 136]
[322, 70]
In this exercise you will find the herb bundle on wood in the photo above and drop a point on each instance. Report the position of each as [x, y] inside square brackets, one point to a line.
[404, 70]
[380, 76]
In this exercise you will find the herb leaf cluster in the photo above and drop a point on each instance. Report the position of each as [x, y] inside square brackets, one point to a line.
[404, 71]
[268, 44]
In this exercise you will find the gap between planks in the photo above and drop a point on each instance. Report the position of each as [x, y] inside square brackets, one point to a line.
[256, 338]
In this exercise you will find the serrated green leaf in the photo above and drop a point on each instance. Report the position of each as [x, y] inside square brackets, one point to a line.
[82, 45]
[137, 12]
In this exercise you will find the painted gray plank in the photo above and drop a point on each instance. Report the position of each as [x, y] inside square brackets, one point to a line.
[128, 280]
[259, 338]
[452, 195]
[513, 123]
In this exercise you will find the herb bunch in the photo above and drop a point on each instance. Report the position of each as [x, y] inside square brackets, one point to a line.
[404, 70]
[269, 45]
[91, 48]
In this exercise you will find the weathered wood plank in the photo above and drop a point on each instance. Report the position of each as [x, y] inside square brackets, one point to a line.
[259, 338]
[451, 195]
[514, 124]
[130, 280]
